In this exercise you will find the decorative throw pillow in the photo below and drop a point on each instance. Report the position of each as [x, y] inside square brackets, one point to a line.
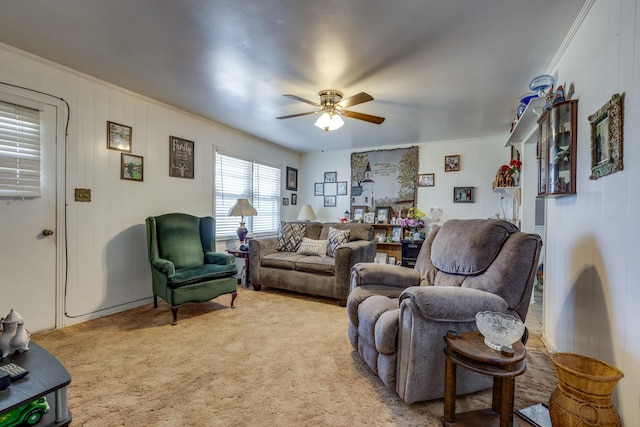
[336, 238]
[290, 237]
[313, 247]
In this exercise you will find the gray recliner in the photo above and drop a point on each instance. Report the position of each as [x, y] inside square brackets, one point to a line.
[399, 316]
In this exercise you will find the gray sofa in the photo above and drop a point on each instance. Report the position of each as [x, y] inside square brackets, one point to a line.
[327, 276]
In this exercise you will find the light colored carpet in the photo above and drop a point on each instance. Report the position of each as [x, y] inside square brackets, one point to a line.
[278, 359]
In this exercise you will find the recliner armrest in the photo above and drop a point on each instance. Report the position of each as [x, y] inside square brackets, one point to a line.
[164, 266]
[220, 258]
[446, 303]
[368, 273]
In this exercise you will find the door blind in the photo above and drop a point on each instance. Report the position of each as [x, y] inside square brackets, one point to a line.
[19, 151]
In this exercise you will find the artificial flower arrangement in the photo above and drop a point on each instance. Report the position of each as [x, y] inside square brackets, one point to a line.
[414, 219]
[513, 166]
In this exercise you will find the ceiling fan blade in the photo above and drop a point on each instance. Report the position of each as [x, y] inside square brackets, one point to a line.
[366, 117]
[306, 101]
[356, 99]
[297, 115]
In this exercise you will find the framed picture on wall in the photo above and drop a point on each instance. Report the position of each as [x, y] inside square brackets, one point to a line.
[330, 176]
[426, 180]
[606, 138]
[463, 194]
[181, 157]
[318, 189]
[292, 179]
[294, 199]
[131, 167]
[329, 201]
[342, 188]
[452, 163]
[119, 137]
[285, 201]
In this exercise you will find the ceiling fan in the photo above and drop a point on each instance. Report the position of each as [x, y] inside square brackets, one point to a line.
[332, 108]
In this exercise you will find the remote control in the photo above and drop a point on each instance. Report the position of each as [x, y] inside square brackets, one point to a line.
[16, 372]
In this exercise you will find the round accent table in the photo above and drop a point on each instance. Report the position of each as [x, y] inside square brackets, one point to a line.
[469, 351]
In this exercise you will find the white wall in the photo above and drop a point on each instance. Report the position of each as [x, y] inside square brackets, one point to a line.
[479, 162]
[106, 244]
[592, 268]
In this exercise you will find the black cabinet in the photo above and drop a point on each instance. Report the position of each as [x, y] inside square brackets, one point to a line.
[410, 250]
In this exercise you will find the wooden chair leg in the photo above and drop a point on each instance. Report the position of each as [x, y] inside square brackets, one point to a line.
[233, 298]
[174, 311]
[155, 301]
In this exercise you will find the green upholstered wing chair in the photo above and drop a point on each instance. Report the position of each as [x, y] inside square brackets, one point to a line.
[184, 264]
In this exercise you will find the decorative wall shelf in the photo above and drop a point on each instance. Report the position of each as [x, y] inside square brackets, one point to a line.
[513, 192]
[526, 126]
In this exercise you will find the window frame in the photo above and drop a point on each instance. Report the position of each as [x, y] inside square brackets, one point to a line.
[263, 199]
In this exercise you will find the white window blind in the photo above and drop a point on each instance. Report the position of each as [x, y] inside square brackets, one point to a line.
[239, 178]
[19, 151]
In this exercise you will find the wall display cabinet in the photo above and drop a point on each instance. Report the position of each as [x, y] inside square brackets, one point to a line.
[557, 150]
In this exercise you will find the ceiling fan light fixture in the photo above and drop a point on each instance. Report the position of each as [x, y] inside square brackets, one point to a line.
[329, 121]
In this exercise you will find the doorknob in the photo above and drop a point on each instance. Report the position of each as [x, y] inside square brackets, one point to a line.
[47, 232]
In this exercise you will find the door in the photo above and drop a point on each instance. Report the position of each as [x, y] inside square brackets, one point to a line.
[27, 249]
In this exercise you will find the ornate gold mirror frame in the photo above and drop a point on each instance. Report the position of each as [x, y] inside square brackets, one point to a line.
[606, 138]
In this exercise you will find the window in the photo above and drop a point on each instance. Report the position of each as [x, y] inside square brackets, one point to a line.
[260, 183]
[19, 151]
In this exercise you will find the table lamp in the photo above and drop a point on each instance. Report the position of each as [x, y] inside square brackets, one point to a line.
[306, 213]
[242, 208]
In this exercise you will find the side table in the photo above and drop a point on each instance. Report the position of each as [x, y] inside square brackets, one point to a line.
[469, 351]
[46, 377]
[243, 254]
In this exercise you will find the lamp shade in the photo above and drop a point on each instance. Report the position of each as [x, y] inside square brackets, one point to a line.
[329, 121]
[242, 208]
[306, 213]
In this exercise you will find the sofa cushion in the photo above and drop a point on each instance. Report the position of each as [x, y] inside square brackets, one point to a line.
[357, 231]
[317, 265]
[290, 236]
[284, 260]
[187, 276]
[313, 230]
[469, 246]
[313, 247]
[336, 238]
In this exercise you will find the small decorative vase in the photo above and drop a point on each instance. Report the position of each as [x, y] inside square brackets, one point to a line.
[516, 178]
[583, 394]
[242, 232]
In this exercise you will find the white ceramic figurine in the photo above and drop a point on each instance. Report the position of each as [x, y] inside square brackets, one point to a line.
[14, 336]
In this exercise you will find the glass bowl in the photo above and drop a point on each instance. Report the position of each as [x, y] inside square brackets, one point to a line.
[542, 83]
[499, 329]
